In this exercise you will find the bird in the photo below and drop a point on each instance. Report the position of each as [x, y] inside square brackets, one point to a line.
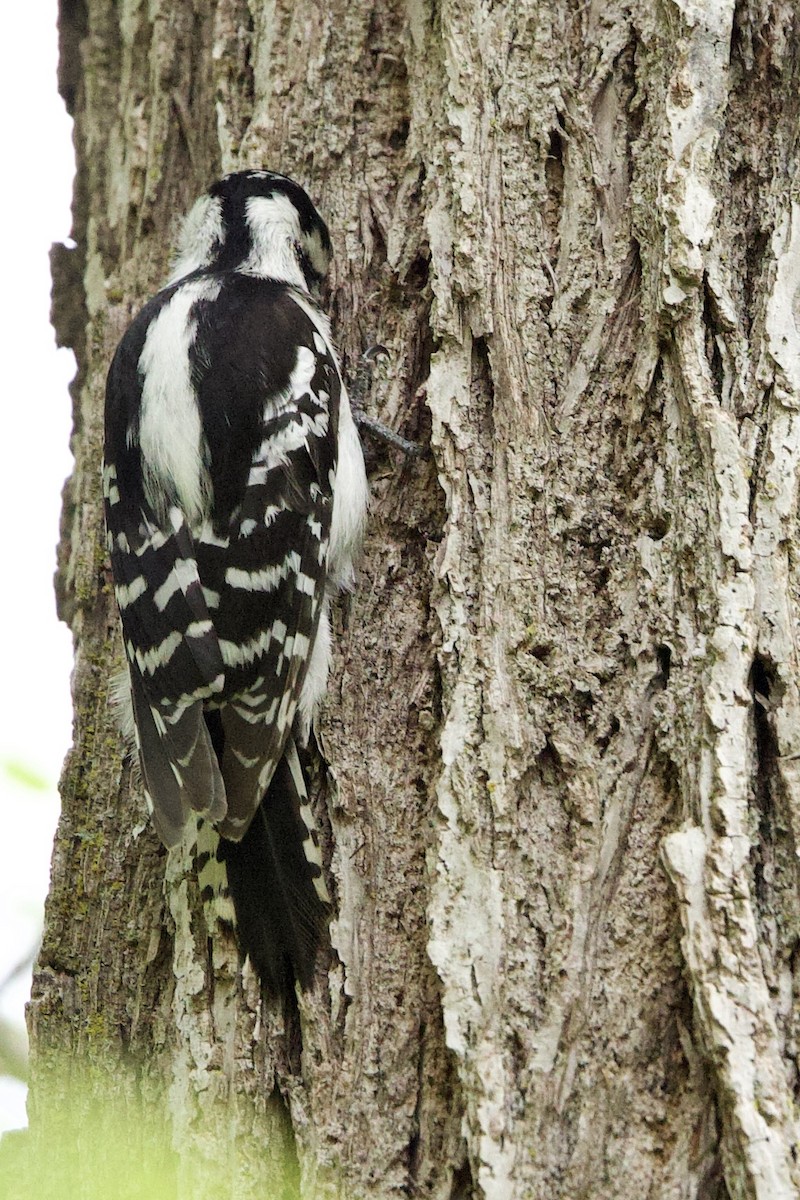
[235, 497]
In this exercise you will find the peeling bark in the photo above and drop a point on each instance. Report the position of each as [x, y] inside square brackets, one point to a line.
[562, 802]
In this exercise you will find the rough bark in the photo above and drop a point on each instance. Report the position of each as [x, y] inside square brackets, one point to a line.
[562, 798]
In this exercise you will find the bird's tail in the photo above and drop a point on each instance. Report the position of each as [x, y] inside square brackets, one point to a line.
[271, 882]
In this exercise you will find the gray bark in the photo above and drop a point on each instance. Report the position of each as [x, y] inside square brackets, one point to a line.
[563, 802]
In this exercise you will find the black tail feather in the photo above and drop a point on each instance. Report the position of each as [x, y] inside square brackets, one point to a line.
[280, 917]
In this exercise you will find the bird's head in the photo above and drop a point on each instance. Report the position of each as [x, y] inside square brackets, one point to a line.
[257, 223]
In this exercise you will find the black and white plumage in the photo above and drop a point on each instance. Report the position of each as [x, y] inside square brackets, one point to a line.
[235, 498]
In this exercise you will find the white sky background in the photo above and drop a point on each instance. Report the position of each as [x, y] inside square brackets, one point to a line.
[36, 167]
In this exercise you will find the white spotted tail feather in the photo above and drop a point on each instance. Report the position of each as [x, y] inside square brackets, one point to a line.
[235, 501]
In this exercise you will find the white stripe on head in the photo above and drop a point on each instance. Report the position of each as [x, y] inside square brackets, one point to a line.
[201, 237]
[275, 231]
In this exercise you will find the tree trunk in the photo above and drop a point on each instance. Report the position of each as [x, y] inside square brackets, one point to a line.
[562, 798]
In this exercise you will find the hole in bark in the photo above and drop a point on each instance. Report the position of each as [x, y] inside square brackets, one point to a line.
[481, 365]
[761, 683]
[601, 579]
[417, 275]
[554, 166]
[399, 136]
[664, 656]
[659, 528]
[463, 1186]
[540, 650]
